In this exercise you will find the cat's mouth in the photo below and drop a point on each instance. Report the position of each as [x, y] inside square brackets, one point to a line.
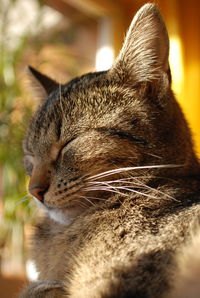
[64, 204]
[64, 214]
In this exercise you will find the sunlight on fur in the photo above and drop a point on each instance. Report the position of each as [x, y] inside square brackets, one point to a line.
[176, 64]
[110, 158]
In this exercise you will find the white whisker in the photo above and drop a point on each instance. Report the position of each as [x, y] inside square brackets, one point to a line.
[131, 185]
[88, 200]
[120, 170]
[115, 190]
[106, 186]
[137, 192]
[92, 198]
[81, 204]
[124, 187]
[106, 189]
[154, 189]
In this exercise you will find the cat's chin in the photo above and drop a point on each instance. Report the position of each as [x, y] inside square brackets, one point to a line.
[63, 216]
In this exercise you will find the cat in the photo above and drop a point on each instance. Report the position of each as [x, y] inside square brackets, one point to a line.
[111, 160]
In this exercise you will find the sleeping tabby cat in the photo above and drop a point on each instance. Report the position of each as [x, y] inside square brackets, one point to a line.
[111, 160]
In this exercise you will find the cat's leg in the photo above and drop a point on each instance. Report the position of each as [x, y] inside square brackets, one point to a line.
[44, 289]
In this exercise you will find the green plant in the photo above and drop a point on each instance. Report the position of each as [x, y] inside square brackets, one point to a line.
[14, 109]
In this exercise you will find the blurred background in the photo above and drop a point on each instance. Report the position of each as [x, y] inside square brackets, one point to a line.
[63, 39]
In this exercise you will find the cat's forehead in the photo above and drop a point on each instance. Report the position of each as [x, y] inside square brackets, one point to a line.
[96, 92]
[90, 95]
[74, 98]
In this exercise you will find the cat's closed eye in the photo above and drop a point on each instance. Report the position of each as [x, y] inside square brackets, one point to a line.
[64, 148]
[123, 135]
[68, 143]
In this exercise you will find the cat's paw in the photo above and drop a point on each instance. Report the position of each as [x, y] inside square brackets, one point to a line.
[43, 289]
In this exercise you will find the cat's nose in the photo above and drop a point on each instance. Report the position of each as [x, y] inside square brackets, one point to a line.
[38, 191]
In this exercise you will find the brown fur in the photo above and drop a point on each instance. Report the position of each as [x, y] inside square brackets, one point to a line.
[185, 280]
[122, 241]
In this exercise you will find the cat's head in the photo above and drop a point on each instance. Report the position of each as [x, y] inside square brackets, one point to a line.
[112, 120]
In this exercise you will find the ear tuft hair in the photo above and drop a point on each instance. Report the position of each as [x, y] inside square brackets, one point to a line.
[145, 51]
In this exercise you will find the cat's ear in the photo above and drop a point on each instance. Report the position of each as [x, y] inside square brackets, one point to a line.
[144, 55]
[42, 84]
